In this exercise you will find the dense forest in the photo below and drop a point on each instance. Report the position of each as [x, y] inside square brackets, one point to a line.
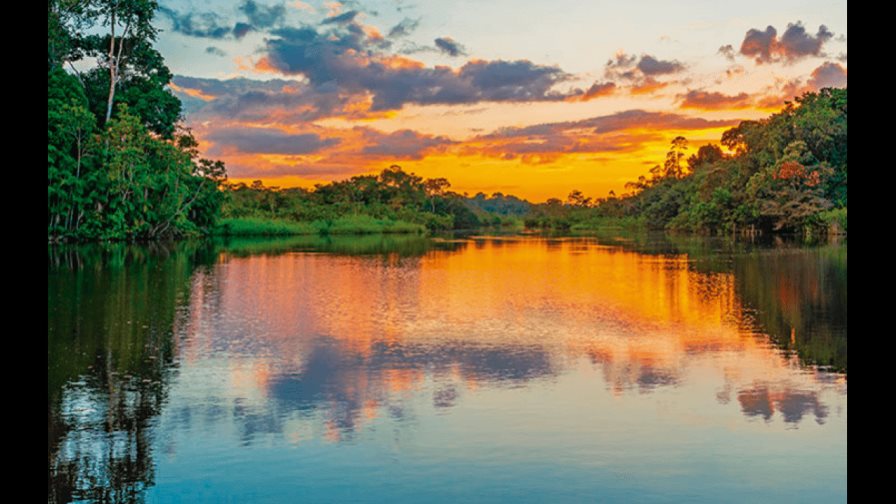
[393, 200]
[786, 173]
[120, 164]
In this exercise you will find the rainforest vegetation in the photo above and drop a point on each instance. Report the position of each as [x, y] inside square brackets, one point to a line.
[121, 165]
[786, 173]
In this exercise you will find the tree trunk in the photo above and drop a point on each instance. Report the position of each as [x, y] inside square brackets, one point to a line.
[112, 70]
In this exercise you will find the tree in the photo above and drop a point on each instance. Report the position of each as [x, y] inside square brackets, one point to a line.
[435, 187]
[672, 167]
[118, 165]
[133, 20]
[707, 155]
[577, 199]
[789, 193]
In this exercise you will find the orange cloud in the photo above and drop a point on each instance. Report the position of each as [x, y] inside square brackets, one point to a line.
[264, 65]
[195, 93]
[648, 86]
[596, 90]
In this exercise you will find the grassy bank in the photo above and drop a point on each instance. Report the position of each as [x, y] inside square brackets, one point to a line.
[833, 221]
[595, 223]
[352, 224]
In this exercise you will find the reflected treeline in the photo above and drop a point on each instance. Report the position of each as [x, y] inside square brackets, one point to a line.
[110, 314]
[795, 292]
[799, 300]
[401, 245]
[792, 290]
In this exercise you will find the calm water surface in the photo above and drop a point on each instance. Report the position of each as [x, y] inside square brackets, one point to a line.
[480, 369]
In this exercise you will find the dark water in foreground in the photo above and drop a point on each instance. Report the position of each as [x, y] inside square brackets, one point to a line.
[484, 369]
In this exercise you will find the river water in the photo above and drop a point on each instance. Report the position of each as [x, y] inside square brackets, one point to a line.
[475, 369]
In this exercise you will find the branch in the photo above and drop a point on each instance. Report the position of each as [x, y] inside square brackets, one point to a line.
[77, 74]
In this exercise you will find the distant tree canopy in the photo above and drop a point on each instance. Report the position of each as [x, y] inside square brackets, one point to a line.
[392, 194]
[119, 165]
[784, 173]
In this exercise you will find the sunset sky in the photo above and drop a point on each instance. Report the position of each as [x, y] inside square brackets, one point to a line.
[531, 98]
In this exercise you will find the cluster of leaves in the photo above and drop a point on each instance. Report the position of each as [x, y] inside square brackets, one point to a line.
[392, 194]
[119, 166]
[784, 173]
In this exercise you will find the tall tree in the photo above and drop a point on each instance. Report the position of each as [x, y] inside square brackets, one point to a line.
[672, 167]
[435, 187]
[133, 20]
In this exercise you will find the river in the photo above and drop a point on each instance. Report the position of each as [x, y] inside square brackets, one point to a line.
[470, 369]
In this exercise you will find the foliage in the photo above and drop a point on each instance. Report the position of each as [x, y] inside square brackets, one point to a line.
[786, 173]
[392, 201]
[119, 166]
[253, 226]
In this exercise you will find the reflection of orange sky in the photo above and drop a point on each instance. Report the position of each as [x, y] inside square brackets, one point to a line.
[627, 313]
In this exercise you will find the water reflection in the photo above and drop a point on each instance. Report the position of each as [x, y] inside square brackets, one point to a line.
[793, 404]
[329, 339]
[110, 355]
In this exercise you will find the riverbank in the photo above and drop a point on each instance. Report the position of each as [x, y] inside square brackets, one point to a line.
[352, 224]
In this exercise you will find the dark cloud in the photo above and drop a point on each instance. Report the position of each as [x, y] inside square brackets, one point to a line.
[727, 51]
[796, 43]
[405, 27]
[449, 46]
[630, 67]
[345, 17]
[252, 100]
[348, 57]
[263, 16]
[622, 66]
[710, 100]
[641, 72]
[403, 144]
[759, 44]
[269, 141]
[766, 47]
[194, 24]
[241, 29]
[829, 74]
[651, 66]
[214, 26]
[841, 57]
[215, 51]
